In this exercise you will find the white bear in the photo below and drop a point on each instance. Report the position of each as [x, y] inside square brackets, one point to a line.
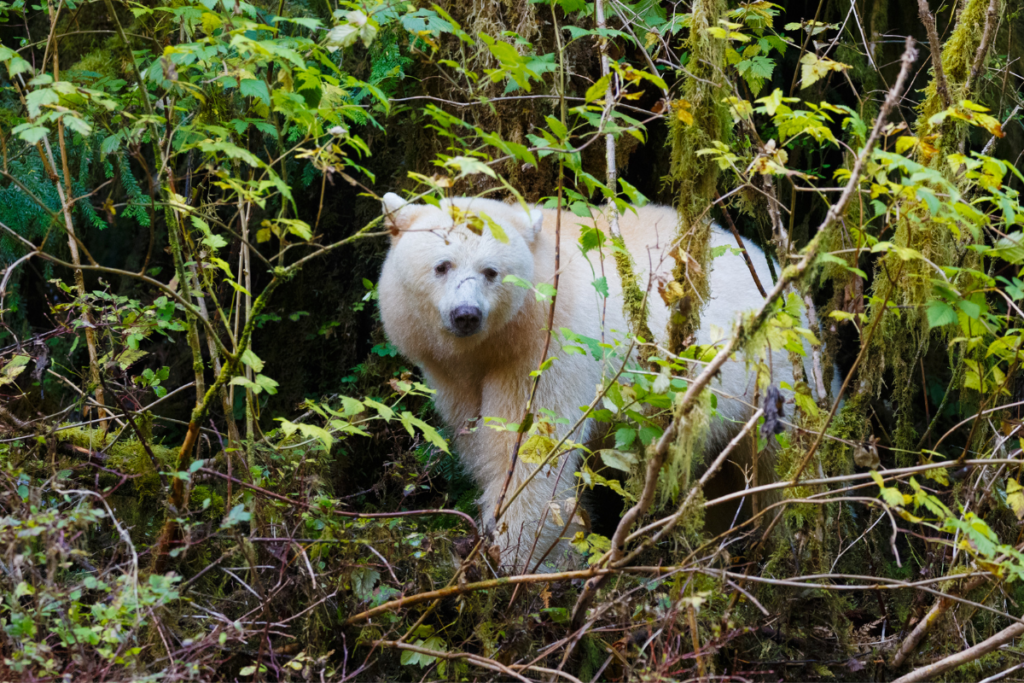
[448, 307]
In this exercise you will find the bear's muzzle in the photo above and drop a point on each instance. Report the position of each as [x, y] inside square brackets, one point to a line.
[466, 320]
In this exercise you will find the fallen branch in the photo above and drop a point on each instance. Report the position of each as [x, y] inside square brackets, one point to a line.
[969, 655]
[926, 623]
[470, 587]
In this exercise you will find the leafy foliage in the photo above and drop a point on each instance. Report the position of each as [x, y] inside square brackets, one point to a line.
[187, 199]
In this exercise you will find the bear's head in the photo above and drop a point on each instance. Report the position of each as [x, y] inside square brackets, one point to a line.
[449, 264]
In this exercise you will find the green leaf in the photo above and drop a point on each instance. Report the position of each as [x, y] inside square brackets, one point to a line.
[259, 384]
[252, 360]
[363, 581]
[232, 151]
[648, 434]
[760, 67]
[619, 460]
[384, 411]
[624, 437]
[469, 166]
[37, 99]
[971, 309]
[15, 64]
[351, 406]
[940, 314]
[635, 195]
[31, 134]
[601, 285]
[1010, 248]
[545, 292]
[425, 20]
[560, 131]
[268, 385]
[308, 431]
[250, 87]
[237, 515]
[409, 421]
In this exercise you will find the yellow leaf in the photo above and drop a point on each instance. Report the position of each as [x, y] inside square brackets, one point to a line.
[683, 111]
[1015, 498]
[905, 142]
[211, 22]
[814, 69]
[536, 449]
[427, 38]
[909, 517]
[14, 368]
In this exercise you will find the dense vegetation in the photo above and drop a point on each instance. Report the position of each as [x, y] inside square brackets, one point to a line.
[213, 465]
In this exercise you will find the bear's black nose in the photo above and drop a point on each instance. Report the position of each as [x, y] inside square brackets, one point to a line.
[466, 320]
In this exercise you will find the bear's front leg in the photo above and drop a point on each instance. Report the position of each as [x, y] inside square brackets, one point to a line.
[529, 526]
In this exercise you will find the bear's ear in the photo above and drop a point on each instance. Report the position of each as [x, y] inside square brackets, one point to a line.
[396, 214]
[534, 223]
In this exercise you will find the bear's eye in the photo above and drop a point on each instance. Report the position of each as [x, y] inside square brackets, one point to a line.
[490, 273]
[442, 268]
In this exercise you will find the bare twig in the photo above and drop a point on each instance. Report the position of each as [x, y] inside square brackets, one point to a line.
[935, 50]
[739, 242]
[992, 16]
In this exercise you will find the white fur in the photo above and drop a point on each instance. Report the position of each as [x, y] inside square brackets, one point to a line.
[488, 373]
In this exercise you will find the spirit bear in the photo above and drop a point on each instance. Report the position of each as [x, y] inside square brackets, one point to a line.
[449, 305]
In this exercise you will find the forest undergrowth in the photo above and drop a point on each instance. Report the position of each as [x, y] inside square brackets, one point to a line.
[214, 465]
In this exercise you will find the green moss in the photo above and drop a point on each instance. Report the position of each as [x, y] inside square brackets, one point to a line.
[849, 424]
[200, 494]
[126, 455]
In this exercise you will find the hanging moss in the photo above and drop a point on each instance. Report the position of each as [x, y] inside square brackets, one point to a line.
[958, 55]
[695, 177]
[634, 298]
[680, 465]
